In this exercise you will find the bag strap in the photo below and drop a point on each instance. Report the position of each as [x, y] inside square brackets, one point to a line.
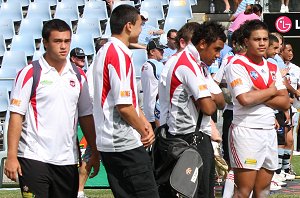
[200, 116]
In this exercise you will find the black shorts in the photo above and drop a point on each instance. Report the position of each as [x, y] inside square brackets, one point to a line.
[42, 180]
[130, 173]
[280, 117]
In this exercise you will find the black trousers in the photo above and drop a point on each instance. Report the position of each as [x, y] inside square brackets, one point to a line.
[130, 173]
[227, 119]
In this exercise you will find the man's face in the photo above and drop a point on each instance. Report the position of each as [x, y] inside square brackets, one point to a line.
[78, 61]
[136, 30]
[287, 53]
[58, 45]
[209, 53]
[257, 43]
[272, 50]
[157, 54]
[171, 40]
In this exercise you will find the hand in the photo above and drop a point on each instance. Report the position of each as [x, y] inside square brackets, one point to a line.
[94, 162]
[273, 88]
[277, 126]
[284, 71]
[12, 168]
[149, 137]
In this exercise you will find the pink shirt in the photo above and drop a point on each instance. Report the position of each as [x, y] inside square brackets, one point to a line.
[240, 19]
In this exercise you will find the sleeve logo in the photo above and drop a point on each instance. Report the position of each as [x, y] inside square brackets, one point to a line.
[236, 82]
[124, 94]
[15, 102]
[202, 87]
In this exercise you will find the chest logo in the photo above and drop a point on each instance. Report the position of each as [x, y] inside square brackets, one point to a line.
[254, 75]
[72, 83]
[273, 74]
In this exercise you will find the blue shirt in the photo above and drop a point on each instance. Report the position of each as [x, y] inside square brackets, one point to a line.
[280, 62]
[145, 35]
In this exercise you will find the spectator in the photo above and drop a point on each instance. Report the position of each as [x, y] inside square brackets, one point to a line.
[77, 56]
[42, 136]
[284, 6]
[171, 46]
[227, 6]
[241, 8]
[123, 132]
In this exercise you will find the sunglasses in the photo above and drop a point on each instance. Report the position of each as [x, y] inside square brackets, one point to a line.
[80, 57]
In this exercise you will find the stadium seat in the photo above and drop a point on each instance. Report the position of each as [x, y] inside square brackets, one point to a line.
[39, 10]
[89, 26]
[180, 8]
[95, 9]
[163, 2]
[3, 153]
[23, 3]
[14, 59]
[153, 9]
[2, 45]
[67, 10]
[11, 10]
[4, 100]
[7, 77]
[139, 57]
[51, 2]
[107, 32]
[193, 2]
[153, 22]
[174, 23]
[37, 54]
[79, 2]
[117, 3]
[23, 43]
[7, 28]
[84, 41]
[32, 26]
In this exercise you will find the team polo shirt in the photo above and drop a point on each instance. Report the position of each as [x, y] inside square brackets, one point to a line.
[185, 82]
[49, 129]
[240, 81]
[294, 78]
[114, 84]
[149, 79]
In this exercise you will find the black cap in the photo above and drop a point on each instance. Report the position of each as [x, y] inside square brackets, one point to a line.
[155, 44]
[77, 52]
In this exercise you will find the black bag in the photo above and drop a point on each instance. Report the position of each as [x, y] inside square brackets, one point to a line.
[176, 162]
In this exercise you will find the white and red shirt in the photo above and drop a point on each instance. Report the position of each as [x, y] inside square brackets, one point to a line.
[242, 74]
[114, 84]
[185, 82]
[49, 132]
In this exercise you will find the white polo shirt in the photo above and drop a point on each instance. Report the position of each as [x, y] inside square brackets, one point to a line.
[114, 84]
[149, 79]
[49, 131]
[239, 79]
[184, 81]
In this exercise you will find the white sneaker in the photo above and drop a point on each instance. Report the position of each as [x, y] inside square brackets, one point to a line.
[283, 9]
[279, 177]
[287, 9]
[289, 176]
[276, 179]
[274, 186]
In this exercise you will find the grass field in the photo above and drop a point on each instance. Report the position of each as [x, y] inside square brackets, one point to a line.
[106, 193]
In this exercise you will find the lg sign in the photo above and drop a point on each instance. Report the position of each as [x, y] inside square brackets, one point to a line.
[287, 23]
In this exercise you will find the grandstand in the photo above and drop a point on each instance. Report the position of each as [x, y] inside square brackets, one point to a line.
[21, 20]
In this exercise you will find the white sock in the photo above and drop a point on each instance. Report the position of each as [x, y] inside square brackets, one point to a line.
[80, 193]
[229, 185]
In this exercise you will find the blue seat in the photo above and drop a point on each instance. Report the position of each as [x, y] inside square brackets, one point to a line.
[51, 2]
[4, 100]
[68, 10]
[174, 23]
[107, 32]
[153, 9]
[84, 41]
[153, 22]
[78, 2]
[95, 9]
[39, 10]
[2, 45]
[139, 57]
[31, 26]
[7, 77]
[24, 42]
[89, 26]
[14, 59]
[7, 28]
[11, 10]
[180, 8]
[3, 153]
[37, 54]
[117, 3]
[23, 3]
[163, 2]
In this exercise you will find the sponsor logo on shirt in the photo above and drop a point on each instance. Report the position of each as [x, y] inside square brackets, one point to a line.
[251, 161]
[236, 82]
[202, 87]
[72, 83]
[15, 102]
[273, 74]
[144, 68]
[125, 94]
[254, 75]
[46, 82]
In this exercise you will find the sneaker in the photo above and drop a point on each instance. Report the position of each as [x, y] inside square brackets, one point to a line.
[274, 186]
[82, 196]
[289, 176]
[282, 9]
[287, 9]
[227, 11]
[279, 177]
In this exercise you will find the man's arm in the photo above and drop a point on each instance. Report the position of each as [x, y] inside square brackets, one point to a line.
[206, 105]
[129, 114]
[280, 101]
[12, 166]
[88, 128]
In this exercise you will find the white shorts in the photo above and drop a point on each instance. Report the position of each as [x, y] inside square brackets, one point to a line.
[253, 148]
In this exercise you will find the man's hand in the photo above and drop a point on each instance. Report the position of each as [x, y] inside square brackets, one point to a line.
[94, 162]
[148, 138]
[12, 168]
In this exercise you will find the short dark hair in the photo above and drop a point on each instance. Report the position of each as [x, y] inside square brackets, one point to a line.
[252, 25]
[210, 31]
[272, 39]
[54, 25]
[170, 32]
[186, 32]
[120, 16]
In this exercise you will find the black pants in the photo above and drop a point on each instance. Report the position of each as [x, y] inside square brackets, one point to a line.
[130, 173]
[43, 180]
[227, 119]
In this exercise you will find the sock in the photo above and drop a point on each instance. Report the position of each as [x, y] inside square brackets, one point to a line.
[229, 185]
[280, 159]
[286, 160]
[80, 193]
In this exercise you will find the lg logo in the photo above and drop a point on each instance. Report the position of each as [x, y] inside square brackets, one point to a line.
[283, 24]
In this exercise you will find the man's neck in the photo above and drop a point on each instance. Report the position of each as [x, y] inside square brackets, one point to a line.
[58, 65]
[122, 38]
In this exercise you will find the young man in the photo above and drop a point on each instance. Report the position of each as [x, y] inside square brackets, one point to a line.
[42, 135]
[123, 132]
[150, 75]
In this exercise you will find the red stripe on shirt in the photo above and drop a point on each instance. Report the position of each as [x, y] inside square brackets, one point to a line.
[33, 101]
[112, 57]
[28, 75]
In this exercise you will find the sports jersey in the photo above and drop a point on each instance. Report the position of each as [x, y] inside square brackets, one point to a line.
[185, 82]
[49, 129]
[149, 79]
[114, 84]
[242, 74]
[294, 75]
